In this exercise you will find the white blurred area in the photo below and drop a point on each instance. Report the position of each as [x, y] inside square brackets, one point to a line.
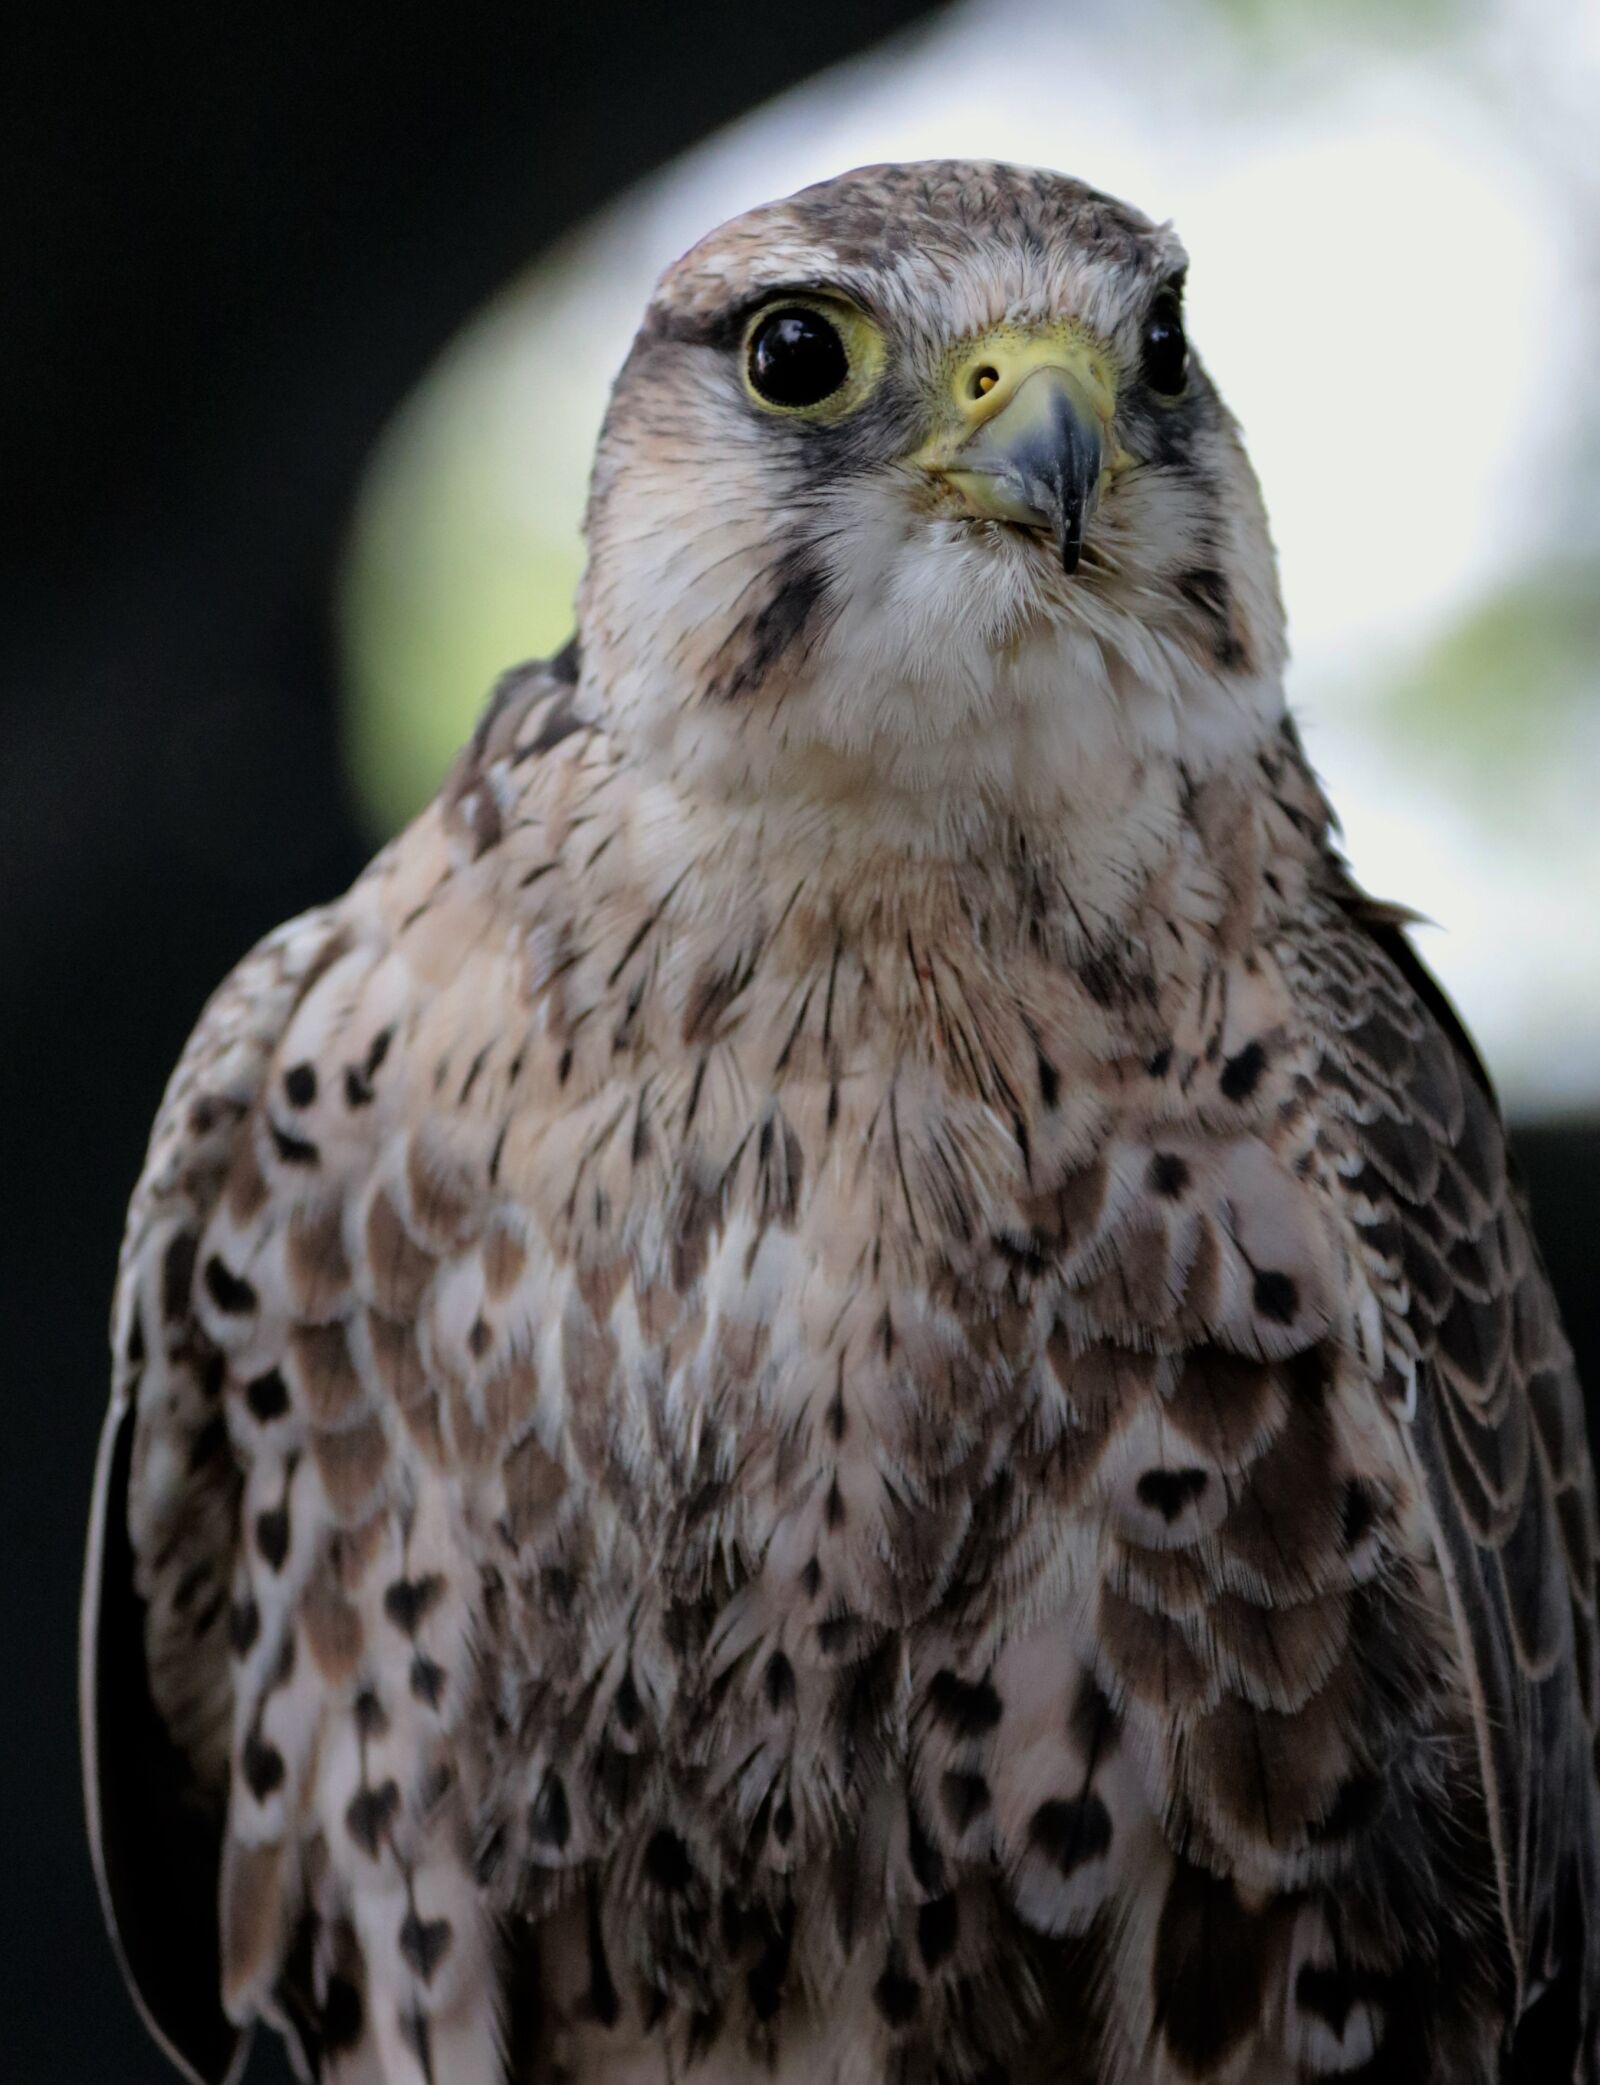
[1392, 225]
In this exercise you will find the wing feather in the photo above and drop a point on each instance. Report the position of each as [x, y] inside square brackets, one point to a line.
[168, 1618]
[1500, 1440]
[154, 1666]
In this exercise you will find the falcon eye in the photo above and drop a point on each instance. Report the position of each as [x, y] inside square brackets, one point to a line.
[1166, 352]
[796, 358]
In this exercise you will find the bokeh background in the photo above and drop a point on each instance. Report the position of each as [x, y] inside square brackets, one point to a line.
[309, 317]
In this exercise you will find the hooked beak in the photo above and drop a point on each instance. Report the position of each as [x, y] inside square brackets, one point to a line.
[1038, 462]
[1037, 454]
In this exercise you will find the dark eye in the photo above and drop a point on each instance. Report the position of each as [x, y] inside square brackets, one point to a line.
[1166, 352]
[797, 357]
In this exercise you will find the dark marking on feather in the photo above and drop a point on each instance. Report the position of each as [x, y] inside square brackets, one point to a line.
[759, 642]
[1071, 1831]
[550, 1814]
[267, 1396]
[567, 663]
[1094, 1724]
[293, 1149]
[1241, 1073]
[272, 1535]
[1168, 1175]
[300, 1085]
[424, 1943]
[371, 1717]
[1357, 1805]
[370, 1813]
[970, 1708]
[406, 1602]
[188, 1585]
[642, 931]
[230, 1292]
[964, 1797]
[1206, 588]
[426, 1680]
[1357, 1513]
[1332, 1991]
[835, 1633]
[473, 1070]
[766, 1979]
[415, 2033]
[1208, 1971]
[778, 1683]
[895, 1994]
[561, 720]
[1168, 1492]
[938, 1925]
[629, 1708]
[667, 1862]
[177, 1276]
[210, 1444]
[263, 1766]
[1276, 1295]
[343, 2016]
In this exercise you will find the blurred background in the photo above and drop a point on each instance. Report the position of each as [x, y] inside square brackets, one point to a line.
[310, 315]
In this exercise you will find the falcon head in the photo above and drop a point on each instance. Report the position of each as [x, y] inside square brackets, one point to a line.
[912, 485]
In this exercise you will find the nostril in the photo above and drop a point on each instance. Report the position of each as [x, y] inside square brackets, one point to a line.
[984, 380]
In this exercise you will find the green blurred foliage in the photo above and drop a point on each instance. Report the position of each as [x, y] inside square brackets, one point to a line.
[465, 550]
[1502, 706]
[1280, 23]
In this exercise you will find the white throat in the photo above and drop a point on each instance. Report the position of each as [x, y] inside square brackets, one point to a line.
[942, 701]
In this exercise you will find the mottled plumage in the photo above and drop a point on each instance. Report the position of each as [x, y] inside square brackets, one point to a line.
[843, 1383]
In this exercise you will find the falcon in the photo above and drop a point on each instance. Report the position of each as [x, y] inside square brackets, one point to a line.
[845, 1382]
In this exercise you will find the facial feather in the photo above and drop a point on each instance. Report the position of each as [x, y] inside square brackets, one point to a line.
[786, 611]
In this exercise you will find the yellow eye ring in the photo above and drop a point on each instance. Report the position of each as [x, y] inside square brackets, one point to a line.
[810, 357]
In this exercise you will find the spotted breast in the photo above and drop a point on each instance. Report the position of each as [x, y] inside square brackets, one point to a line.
[728, 1473]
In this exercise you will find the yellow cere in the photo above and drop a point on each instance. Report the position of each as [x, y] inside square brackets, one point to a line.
[990, 368]
[979, 377]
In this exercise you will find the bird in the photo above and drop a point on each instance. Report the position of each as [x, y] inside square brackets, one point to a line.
[846, 1381]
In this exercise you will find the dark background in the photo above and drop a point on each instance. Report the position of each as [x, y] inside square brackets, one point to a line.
[232, 240]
